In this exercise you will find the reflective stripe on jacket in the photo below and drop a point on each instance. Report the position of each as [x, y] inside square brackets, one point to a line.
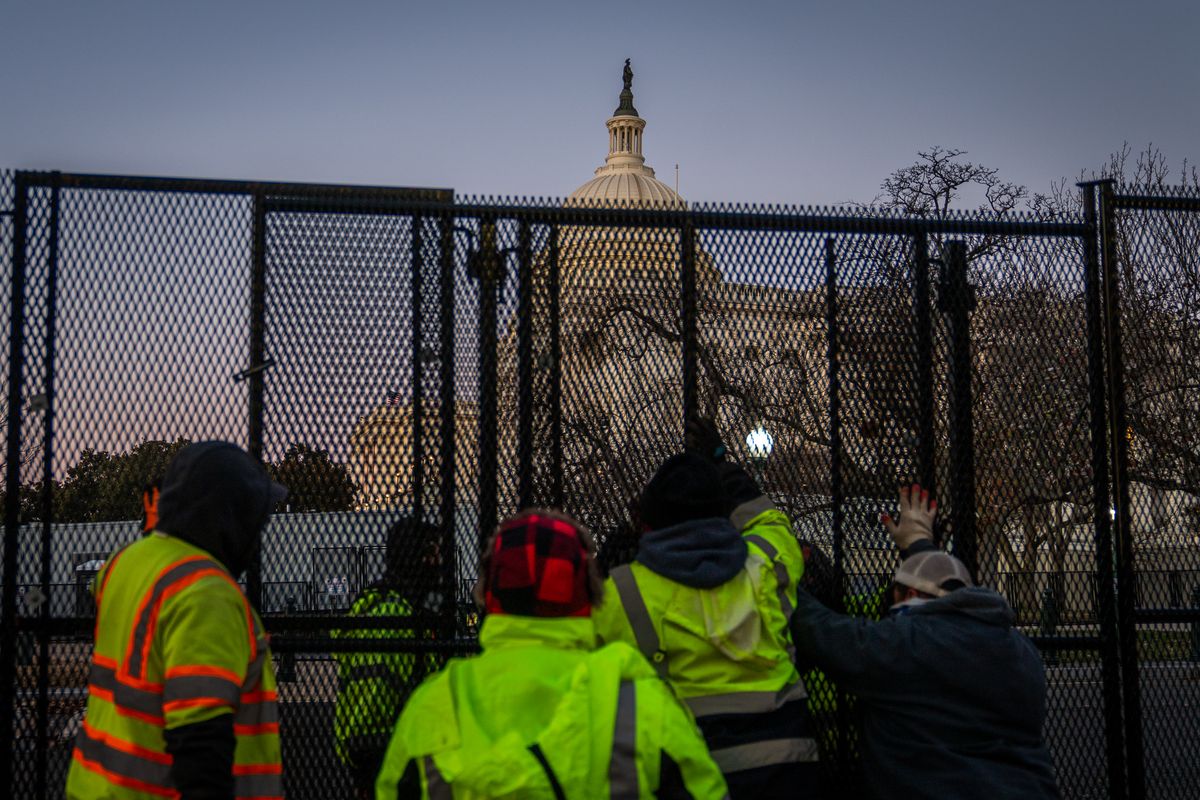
[726, 651]
[373, 686]
[176, 643]
[540, 714]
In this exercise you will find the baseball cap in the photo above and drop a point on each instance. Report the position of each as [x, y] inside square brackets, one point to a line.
[929, 570]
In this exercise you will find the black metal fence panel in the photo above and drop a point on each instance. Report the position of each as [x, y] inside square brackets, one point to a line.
[391, 354]
[1155, 263]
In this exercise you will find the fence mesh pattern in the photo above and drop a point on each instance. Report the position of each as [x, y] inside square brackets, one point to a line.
[395, 356]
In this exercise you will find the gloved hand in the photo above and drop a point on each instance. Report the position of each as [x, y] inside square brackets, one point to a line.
[917, 510]
[702, 438]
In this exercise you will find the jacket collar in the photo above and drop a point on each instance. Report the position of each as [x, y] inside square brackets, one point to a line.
[501, 631]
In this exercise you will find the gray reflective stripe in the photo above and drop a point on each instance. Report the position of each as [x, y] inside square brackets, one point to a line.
[254, 671]
[121, 763]
[622, 767]
[435, 785]
[639, 618]
[766, 753]
[782, 579]
[743, 514]
[259, 785]
[191, 687]
[142, 627]
[125, 696]
[746, 702]
[262, 712]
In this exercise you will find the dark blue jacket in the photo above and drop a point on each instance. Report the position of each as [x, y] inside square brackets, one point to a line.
[952, 697]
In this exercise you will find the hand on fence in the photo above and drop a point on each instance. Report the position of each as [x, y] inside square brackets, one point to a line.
[917, 510]
[702, 438]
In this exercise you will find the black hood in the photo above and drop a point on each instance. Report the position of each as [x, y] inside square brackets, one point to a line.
[217, 497]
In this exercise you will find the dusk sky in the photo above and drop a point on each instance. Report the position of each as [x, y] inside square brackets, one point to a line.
[781, 102]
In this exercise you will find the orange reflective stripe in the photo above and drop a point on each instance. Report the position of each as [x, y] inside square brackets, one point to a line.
[258, 769]
[259, 697]
[126, 747]
[256, 730]
[195, 702]
[141, 621]
[203, 670]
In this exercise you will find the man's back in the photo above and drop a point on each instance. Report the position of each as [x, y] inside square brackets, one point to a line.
[541, 709]
[952, 697]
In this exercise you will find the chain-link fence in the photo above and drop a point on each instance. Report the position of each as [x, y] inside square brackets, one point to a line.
[393, 355]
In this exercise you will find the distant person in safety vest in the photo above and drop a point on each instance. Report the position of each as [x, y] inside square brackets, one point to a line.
[708, 601]
[544, 712]
[374, 685]
[181, 698]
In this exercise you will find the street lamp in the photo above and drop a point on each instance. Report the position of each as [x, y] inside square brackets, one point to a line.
[758, 446]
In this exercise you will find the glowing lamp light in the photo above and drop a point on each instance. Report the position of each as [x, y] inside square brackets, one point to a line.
[759, 444]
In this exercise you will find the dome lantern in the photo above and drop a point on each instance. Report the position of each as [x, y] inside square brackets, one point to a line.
[624, 179]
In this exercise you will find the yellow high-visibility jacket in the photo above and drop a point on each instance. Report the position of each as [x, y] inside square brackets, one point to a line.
[726, 651]
[542, 714]
[176, 643]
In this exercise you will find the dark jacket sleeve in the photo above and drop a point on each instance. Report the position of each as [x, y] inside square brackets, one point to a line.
[202, 754]
[862, 655]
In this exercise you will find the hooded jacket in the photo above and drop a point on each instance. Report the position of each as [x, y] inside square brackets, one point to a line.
[952, 697]
[707, 601]
[217, 497]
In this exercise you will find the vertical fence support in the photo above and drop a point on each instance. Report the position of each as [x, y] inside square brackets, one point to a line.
[556, 399]
[416, 263]
[43, 697]
[488, 268]
[448, 510]
[12, 498]
[687, 245]
[956, 301]
[258, 350]
[1119, 459]
[524, 368]
[923, 361]
[1102, 518]
[836, 488]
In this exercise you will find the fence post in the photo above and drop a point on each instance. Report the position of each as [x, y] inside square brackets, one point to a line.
[488, 272]
[255, 371]
[12, 499]
[524, 368]
[687, 243]
[416, 264]
[1105, 593]
[449, 547]
[923, 360]
[956, 301]
[43, 696]
[556, 449]
[1119, 455]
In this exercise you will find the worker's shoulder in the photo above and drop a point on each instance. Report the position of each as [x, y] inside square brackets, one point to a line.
[770, 531]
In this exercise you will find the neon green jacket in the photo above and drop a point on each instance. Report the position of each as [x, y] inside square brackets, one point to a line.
[726, 650]
[373, 686]
[176, 643]
[541, 707]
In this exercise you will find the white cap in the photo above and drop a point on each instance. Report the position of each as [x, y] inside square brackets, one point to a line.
[928, 570]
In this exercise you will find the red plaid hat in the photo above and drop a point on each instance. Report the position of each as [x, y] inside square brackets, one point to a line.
[538, 568]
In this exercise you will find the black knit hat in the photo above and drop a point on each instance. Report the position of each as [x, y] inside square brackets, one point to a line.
[685, 487]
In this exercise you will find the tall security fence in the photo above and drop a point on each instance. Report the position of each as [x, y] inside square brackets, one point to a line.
[396, 355]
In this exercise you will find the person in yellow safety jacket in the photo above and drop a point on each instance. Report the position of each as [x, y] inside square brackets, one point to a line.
[708, 601]
[374, 685]
[181, 695]
[543, 713]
